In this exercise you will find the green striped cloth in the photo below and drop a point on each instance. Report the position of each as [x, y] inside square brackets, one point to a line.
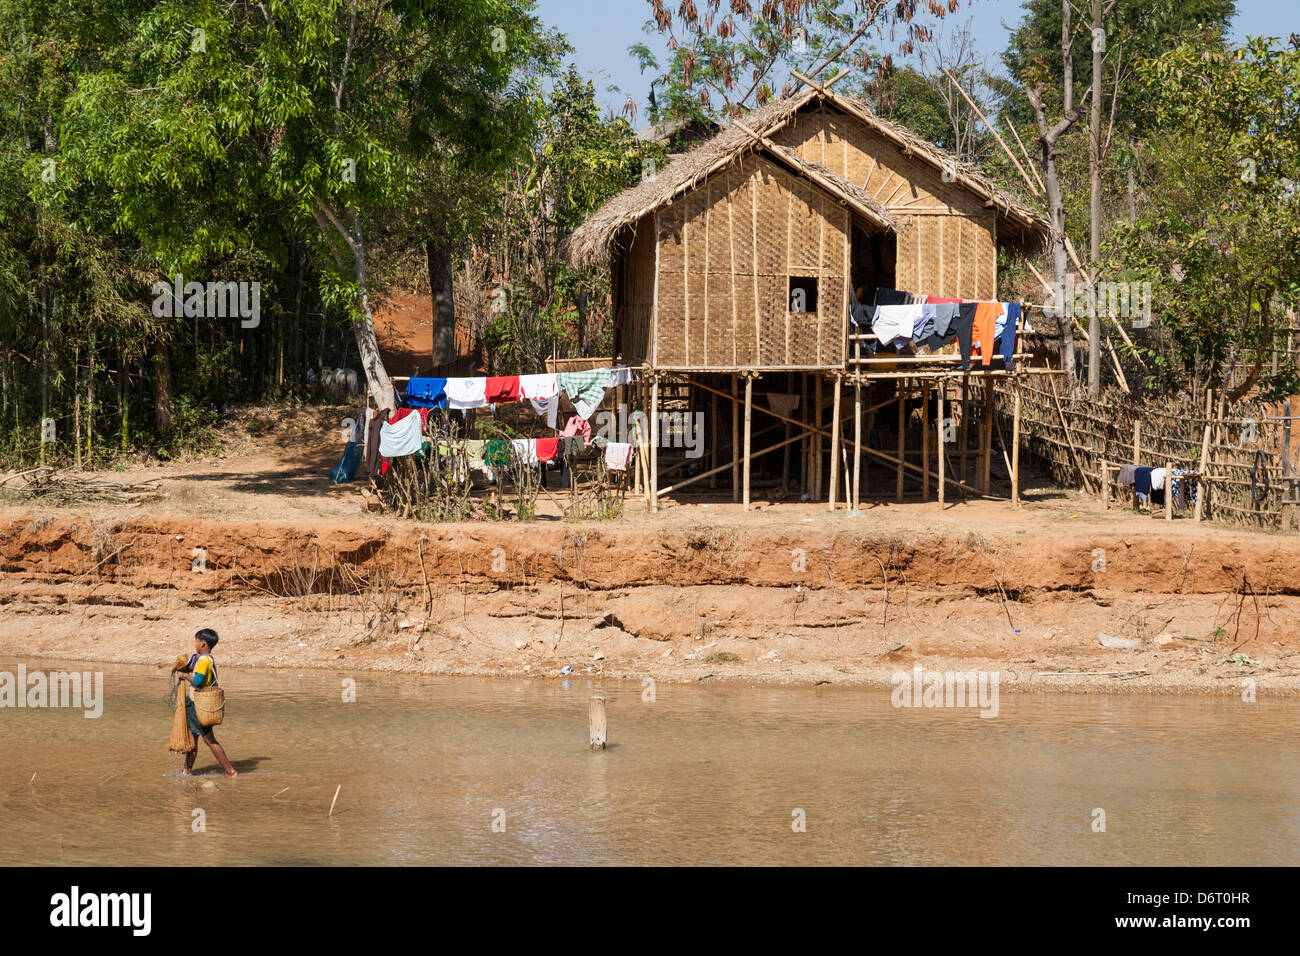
[585, 386]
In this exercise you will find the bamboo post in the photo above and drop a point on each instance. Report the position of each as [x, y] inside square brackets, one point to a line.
[596, 723]
[856, 496]
[902, 435]
[987, 462]
[735, 441]
[805, 446]
[1105, 487]
[654, 444]
[1202, 485]
[963, 433]
[1137, 442]
[817, 439]
[1015, 452]
[925, 441]
[835, 447]
[1169, 491]
[715, 449]
[941, 397]
[749, 407]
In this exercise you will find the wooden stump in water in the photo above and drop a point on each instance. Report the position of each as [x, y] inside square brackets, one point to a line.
[596, 720]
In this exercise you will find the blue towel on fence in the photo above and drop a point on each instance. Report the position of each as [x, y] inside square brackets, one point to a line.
[1142, 482]
[426, 393]
[1009, 333]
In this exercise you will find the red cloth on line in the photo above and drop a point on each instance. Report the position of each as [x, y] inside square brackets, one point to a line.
[502, 388]
[398, 415]
[938, 300]
[547, 448]
[577, 426]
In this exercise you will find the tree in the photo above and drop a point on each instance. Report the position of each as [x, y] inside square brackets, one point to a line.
[323, 108]
[740, 56]
[1219, 237]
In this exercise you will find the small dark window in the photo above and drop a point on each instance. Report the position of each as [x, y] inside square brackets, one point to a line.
[803, 294]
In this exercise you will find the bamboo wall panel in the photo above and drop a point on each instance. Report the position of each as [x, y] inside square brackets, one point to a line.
[771, 225]
[638, 302]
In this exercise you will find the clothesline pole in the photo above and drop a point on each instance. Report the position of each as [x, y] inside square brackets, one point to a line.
[1137, 441]
[902, 443]
[856, 496]
[941, 399]
[654, 443]
[1015, 452]
[735, 441]
[749, 404]
[835, 446]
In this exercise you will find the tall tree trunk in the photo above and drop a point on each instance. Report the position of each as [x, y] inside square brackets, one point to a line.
[1067, 86]
[162, 391]
[444, 303]
[1047, 139]
[381, 389]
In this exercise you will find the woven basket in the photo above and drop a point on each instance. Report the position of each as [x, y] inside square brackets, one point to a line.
[209, 705]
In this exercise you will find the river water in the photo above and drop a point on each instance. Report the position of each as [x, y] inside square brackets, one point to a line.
[483, 771]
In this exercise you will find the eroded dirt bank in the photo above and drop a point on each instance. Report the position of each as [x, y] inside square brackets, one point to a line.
[714, 602]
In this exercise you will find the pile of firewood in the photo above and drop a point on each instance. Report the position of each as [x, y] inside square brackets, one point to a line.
[48, 484]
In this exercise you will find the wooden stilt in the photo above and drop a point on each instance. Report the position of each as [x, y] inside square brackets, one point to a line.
[1015, 452]
[902, 439]
[835, 446]
[715, 447]
[1169, 485]
[735, 441]
[941, 398]
[805, 446]
[749, 407]
[855, 496]
[987, 461]
[654, 443]
[1137, 442]
[963, 436]
[817, 439]
[925, 441]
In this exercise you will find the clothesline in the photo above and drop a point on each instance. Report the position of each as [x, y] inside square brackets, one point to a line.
[901, 318]
[585, 390]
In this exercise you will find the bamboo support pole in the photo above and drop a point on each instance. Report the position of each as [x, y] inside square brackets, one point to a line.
[654, 443]
[987, 463]
[941, 398]
[925, 442]
[817, 440]
[1015, 452]
[857, 445]
[835, 446]
[749, 405]
[902, 444]
[735, 442]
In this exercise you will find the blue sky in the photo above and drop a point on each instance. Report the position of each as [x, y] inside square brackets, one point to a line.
[602, 30]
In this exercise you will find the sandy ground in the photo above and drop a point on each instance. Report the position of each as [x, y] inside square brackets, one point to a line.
[292, 573]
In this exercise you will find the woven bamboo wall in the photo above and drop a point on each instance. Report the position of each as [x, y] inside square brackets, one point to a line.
[727, 250]
[638, 290]
[950, 246]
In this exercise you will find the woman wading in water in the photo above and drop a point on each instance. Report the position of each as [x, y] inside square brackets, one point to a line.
[204, 671]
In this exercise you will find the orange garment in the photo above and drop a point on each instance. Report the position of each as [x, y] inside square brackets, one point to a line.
[986, 318]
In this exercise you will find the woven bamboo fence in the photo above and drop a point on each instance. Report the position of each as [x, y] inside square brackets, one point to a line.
[1252, 460]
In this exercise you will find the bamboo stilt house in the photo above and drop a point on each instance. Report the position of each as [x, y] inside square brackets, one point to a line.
[713, 257]
[739, 261]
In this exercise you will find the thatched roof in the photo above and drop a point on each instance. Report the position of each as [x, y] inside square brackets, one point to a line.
[592, 243]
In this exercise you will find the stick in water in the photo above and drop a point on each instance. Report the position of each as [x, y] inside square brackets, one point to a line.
[332, 802]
